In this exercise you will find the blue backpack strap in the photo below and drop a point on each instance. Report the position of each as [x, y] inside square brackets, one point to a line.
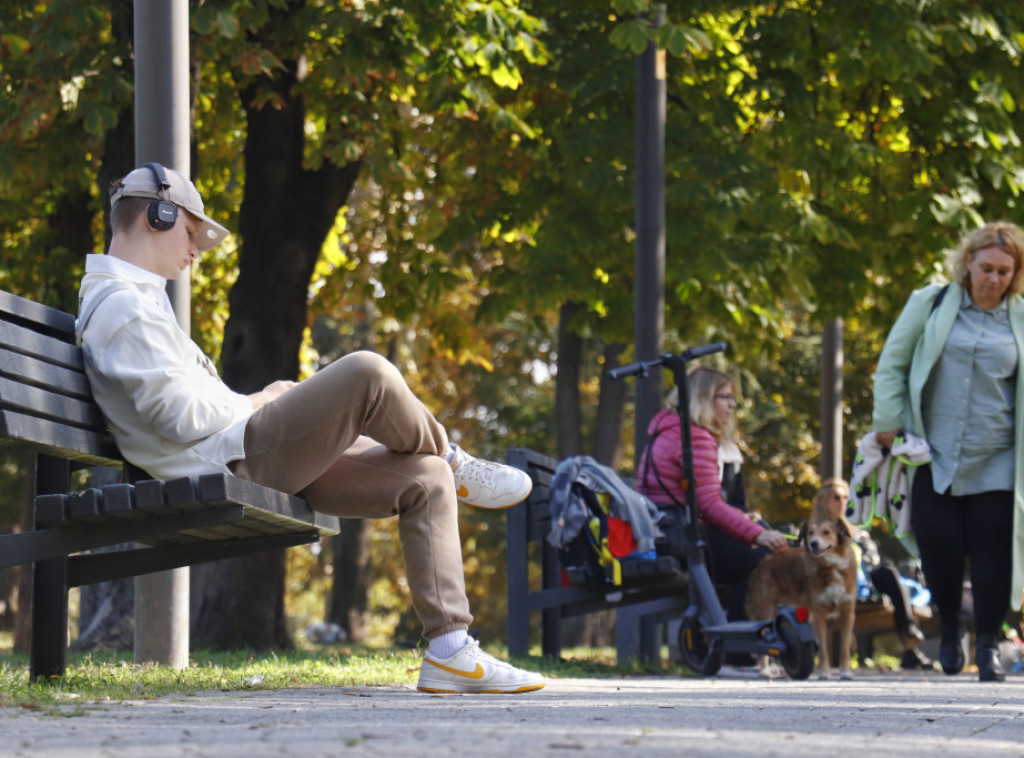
[938, 299]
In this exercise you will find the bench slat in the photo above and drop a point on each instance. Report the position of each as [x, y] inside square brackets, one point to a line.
[51, 510]
[41, 317]
[42, 544]
[54, 350]
[60, 440]
[85, 505]
[33, 401]
[149, 499]
[181, 495]
[268, 504]
[39, 373]
[89, 569]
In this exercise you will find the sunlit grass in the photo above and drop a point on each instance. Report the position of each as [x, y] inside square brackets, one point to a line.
[112, 676]
[93, 678]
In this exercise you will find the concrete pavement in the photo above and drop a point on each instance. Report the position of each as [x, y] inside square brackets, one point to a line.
[893, 714]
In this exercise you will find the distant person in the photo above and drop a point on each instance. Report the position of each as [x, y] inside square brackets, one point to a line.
[830, 505]
[352, 439]
[950, 374]
[737, 540]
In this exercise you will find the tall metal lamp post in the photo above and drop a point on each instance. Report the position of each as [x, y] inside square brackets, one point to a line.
[162, 135]
[635, 627]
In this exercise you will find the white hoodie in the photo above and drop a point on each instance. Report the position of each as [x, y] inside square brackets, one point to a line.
[169, 412]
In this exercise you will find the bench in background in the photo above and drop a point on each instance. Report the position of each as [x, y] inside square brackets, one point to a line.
[642, 601]
[46, 406]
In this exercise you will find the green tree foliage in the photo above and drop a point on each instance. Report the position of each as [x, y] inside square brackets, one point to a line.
[819, 159]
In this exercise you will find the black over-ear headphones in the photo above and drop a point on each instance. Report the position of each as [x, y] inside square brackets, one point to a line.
[161, 214]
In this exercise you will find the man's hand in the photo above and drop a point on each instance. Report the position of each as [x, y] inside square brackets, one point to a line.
[269, 393]
[772, 540]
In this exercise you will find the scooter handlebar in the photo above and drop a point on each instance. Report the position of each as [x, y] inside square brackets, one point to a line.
[631, 369]
[699, 352]
[644, 367]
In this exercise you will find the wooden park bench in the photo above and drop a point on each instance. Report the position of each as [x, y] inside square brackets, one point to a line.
[46, 406]
[875, 618]
[651, 590]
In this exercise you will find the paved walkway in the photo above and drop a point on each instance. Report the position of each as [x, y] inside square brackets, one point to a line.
[892, 714]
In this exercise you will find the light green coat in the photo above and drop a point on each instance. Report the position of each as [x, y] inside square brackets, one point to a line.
[910, 353]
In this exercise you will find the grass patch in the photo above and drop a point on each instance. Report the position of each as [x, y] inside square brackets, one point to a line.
[93, 678]
[112, 676]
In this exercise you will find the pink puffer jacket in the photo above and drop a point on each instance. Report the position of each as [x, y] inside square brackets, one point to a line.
[667, 456]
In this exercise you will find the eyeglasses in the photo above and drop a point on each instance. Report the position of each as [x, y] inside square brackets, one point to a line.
[727, 398]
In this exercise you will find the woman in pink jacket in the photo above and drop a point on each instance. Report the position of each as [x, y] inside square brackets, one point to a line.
[737, 540]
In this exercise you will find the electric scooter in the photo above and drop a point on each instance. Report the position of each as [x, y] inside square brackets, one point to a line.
[705, 635]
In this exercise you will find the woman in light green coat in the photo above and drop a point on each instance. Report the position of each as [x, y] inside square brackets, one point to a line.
[949, 373]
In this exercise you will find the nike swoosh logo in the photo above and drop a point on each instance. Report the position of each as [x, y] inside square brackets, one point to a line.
[462, 492]
[477, 674]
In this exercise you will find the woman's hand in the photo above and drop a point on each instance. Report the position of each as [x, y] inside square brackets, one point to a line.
[269, 393]
[772, 540]
[885, 438]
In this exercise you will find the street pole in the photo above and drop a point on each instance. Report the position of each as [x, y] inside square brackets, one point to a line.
[832, 399]
[636, 627]
[162, 135]
[649, 325]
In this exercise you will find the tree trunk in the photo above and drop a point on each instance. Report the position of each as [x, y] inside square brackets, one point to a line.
[23, 621]
[567, 383]
[350, 588]
[350, 579]
[568, 415]
[286, 214]
[106, 613]
[9, 594]
[119, 142]
[611, 401]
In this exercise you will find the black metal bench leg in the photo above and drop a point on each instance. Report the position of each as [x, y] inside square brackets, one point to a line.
[865, 647]
[551, 618]
[517, 578]
[48, 656]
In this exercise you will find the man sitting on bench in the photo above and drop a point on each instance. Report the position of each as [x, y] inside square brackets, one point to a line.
[352, 440]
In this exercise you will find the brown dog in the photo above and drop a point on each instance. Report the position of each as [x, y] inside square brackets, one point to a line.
[820, 575]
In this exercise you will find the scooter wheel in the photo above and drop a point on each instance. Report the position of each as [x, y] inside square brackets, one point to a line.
[798, 660]
[696, 649]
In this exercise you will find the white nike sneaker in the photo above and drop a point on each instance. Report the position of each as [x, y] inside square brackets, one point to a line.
[473, 670]
[488, 485]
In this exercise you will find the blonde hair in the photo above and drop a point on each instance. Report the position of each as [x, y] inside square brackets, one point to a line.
[705, 383]
[1001, 234]
[821, 499]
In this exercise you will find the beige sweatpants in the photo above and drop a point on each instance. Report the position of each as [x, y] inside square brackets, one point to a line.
[356, 443]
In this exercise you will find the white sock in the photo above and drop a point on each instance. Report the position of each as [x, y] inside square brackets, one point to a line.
[447, 645]
[450, 456]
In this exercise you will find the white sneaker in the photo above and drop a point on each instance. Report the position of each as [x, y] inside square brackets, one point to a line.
[488, 485]
[473, 670]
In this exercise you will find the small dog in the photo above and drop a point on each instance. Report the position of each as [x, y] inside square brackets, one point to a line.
[820, 575]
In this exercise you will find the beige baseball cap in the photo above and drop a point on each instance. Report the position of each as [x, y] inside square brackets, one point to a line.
[160, 183]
